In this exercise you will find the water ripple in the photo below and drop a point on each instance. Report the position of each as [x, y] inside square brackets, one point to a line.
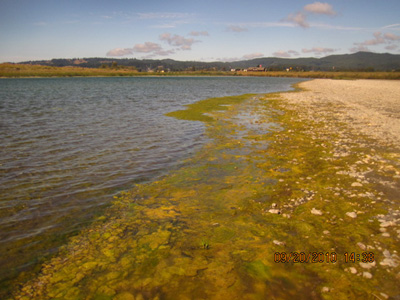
[68, 145]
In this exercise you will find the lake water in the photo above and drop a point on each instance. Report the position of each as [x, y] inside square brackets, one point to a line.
[67, 145]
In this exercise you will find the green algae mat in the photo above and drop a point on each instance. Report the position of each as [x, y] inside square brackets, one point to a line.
[277, 205]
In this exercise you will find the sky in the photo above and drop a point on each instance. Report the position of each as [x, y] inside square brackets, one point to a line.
[201, 30]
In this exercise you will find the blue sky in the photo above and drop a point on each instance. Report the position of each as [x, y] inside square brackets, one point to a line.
[204, 30]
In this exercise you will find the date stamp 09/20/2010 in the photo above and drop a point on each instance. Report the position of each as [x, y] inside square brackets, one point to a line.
[323, 257]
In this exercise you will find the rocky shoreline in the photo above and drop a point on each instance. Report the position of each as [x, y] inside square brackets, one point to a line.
[361, 121]
[370, 106]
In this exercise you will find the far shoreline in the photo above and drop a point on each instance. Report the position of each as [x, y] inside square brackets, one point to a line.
[39, 71]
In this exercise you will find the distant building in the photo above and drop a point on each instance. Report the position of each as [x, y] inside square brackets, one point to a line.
[259, 68]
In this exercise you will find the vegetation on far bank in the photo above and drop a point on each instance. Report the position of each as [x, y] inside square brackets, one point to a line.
[22, 71]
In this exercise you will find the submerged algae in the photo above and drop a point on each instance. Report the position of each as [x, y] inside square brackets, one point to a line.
[151, 244]
[198, 110]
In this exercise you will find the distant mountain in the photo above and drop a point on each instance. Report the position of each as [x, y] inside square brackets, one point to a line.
[360, 61]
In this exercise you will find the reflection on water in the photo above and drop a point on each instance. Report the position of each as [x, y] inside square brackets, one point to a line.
[68, 145]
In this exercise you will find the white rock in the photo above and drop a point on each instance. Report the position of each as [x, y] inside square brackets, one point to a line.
[325, 289]
[351, 214]
[356, 184]
[353, 270]
[316, 212]
[278, 243]
[367, 275]
[326, 232]
[386, 253]
[386, 234]
[362, 246]
[367, 265]
[273, 205]
[274, 211]
[387, 224]
[389, 262]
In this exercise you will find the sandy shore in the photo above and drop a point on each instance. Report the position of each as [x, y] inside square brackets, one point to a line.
[370, 106]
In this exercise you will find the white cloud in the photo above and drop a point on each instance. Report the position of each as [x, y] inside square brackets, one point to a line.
[286, 54]
[282, 53]
[147, 47]
[199, 33]
[378, 39]
[120, 52]
[299, 18]
[336, 27]
[392, 26]
[318, 50]
[165, 15]
[293, 52]
[235, 28]
[178, 41]
[166, 19]
[391, 37]
[317, 8]
[252, 55]
[320, 8]
[152, 49]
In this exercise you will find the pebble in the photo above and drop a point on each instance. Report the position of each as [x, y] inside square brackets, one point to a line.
[353, 270]
[274, 211]
[386, 253]
[316, 212]
[367, 275]
[351, 214]
[362, 246]
[326, 232]
[389, 262]
[325, 289]
[387, 224]
[276, 242]
[367, 265]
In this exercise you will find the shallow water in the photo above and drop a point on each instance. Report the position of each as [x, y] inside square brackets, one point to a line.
[67, 145]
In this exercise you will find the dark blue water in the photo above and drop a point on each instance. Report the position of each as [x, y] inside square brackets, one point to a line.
[67, 145]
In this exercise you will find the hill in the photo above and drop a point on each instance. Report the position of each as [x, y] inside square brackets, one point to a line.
[360, 61]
